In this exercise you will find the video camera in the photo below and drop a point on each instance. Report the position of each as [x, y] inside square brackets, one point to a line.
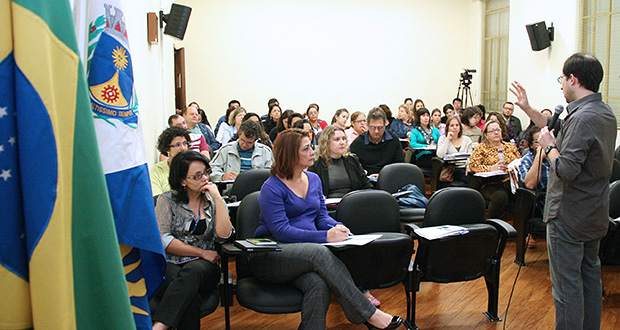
[466, 76]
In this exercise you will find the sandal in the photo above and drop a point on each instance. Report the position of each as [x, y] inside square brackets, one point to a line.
[531, 243]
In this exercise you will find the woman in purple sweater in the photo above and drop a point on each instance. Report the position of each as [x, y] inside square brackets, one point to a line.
[293, 212]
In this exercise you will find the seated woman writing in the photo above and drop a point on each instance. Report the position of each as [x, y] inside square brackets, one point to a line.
[455, 142]
[191, 217]
[293, 212]
[339, 171]
[493, 154]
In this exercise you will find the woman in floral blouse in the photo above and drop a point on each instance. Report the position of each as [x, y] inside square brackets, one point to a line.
[485, 158]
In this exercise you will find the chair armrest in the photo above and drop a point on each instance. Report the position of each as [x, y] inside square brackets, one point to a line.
[614, 224]
[504, 227]
[409, 228]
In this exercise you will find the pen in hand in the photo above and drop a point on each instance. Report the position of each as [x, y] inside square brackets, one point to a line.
[349, 232]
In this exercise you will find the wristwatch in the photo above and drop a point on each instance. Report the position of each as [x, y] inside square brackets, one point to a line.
[549, 148]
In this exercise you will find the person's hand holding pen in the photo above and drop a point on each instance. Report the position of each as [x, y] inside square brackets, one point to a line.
[230, 175]
[338, 233]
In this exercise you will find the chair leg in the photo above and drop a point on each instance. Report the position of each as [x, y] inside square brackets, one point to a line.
[492, 281]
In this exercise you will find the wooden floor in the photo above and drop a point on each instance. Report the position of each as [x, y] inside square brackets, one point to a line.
[456, 305]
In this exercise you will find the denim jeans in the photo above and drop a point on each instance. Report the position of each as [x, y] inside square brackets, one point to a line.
[575, 271]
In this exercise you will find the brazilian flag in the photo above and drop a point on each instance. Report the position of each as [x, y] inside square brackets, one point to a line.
[60, 262]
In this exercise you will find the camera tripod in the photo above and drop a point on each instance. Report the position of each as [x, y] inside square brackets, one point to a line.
[464, 92]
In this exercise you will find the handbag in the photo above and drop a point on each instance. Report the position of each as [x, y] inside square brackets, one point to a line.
[447, 173]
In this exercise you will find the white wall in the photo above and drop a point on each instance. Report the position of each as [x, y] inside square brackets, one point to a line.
[352, 54]
[538, 71]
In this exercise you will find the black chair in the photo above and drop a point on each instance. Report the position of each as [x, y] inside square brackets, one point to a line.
[609, 250]
[249, 181]
[437, 165]
[251, 293]
[462, 257]
[615, 171]
[392, 177]
[617, 153]
[375, 211]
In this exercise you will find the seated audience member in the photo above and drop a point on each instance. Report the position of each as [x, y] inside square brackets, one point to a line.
[358, 126]
[507, 110]
[293, 118]
[197, 141]
[388, 113]
[313, 116]
[457, 104]
[241, 155]
[304, 124]
[486, 158]
[483, 115]
[340, 118]
[169, 143]
[232, 105]
[508, 133]
[191, 217]
[436, 121]
[378, 146]
[203, 117]
[339, 171]
[403, 124]
[190, 114]
[228, 130]
[470, 119]
[452, 142]
[417, 105]
[534, 170]
[524, 146]
[282, 125]
[448, 111]
[423, 136]
[264, 138]
[293, 212]
[408, 102]
[272, 118]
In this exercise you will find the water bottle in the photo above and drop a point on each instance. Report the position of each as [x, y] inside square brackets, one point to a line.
[500, 158]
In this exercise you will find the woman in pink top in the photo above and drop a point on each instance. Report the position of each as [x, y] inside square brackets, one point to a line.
[358, 126]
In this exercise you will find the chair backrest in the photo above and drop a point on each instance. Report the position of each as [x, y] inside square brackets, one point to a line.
[454, 206]
[617, 153]
[367, 211]
[615, 171]
[394, 176]
[249, 181]
[248, 218]
[614, 199]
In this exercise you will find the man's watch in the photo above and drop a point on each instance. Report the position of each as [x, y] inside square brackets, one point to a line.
[549, 148]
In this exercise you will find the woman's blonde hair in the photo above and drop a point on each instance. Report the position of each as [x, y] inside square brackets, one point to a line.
[486, 129]
[233, 114]
[410, 112]
[324, 140]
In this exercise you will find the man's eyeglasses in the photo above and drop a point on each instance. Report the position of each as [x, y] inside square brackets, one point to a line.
[560, 79]
[497, 130]
[376, 128]
[199, 175]
[362, 121]
[179, 144]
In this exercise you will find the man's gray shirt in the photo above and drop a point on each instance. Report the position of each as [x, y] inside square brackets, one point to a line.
[578, 191]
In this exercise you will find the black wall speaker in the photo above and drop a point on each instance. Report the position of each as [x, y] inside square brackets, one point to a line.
[176, 21]
[540, 36]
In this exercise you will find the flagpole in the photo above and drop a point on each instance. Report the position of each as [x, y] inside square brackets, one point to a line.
[81, 8]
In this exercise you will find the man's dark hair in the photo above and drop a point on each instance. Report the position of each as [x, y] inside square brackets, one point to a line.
[250, 129]
[271, 102]
[300, 123]
[408, 99]
[376, 113]
[530, 136]
[446, 107]
[233, 101]
[166, 137]
[457, 99]
[171, 118]
[292, 116]
[586, 68]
